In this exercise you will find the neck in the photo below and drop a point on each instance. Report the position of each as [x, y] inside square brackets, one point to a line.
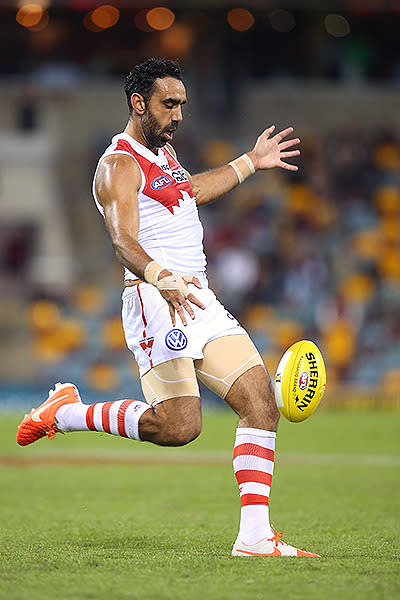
[135, 130]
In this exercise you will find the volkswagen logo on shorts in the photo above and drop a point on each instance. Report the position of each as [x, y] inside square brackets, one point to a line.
[176, 339]
[161, 182]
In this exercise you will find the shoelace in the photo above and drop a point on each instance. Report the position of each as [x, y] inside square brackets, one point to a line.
[51, 433]
[276, 538]
[51, 430]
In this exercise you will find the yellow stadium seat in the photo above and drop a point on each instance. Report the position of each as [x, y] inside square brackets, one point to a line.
[113, 334]
[285, 333]
[391, 381]
[103, 377]
[357, 288]
[72, 334]
[43, 315]
[389, 264]
[387, 200]
[339, 343]
[390, 229]
[217, 153]
[89, 299]
[47, 347]
[387, 156]
[259, 317]
[367, 244]
[300, 199]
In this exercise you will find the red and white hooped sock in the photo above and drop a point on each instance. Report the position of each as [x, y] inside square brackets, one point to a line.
[120, 417]
[253, 463]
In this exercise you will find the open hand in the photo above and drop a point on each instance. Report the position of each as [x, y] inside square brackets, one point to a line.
[268, 152]
[175, 290]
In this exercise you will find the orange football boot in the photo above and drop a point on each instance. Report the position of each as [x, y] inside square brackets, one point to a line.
[269, 547]
[42, 421]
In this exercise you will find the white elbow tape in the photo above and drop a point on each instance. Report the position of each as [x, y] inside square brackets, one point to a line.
[243, 167]
[152, 271]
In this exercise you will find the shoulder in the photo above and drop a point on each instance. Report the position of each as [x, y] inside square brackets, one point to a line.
[116, 170]
[117, 161]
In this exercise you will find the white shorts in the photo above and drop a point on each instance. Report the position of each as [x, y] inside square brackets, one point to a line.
[149, 332]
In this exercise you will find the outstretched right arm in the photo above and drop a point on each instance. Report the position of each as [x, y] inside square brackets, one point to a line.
[117, 183]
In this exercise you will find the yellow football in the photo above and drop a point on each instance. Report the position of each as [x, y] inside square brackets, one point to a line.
[300, 381]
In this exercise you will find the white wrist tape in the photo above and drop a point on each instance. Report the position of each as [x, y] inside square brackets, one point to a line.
[176, 281]
[243, 167]
[152, 271]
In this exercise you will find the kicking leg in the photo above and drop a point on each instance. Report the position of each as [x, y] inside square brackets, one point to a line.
[173, 422]
[174, 419]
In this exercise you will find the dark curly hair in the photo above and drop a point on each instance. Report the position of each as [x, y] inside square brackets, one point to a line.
[142, 77]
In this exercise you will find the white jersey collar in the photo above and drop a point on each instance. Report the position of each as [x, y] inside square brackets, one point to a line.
[140, 149]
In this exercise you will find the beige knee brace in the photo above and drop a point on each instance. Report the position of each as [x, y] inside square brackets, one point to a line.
[225, 359]
[171, 379]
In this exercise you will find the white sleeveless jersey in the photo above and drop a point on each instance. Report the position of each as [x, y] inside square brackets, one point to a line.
[169, 230]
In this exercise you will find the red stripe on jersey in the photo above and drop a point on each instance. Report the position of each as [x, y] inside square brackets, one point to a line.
[253, 450]
[250, 476]
[89, 418]
[248, 499]
[171, 159]
[121, 417]
[105, 416]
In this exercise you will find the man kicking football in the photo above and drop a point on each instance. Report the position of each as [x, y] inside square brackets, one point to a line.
[176, 328]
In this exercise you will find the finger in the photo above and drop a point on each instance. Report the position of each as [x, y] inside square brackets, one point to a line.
[180, 312]
[172, 314]
[289, 144]
[192, 298]
[279, 136]
[288, 154]
[189, 309]
[196, 282]
[268, 131]
[288, 167]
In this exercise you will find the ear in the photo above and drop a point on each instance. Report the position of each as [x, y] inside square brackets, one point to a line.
[138, 104]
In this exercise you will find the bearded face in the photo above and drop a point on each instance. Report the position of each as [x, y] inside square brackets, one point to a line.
[163, 112]
[156, 135]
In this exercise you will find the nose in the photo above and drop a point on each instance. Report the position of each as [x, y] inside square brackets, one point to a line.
[177, 114]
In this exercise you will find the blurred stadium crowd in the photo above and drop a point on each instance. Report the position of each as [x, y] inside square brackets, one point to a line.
[311, 255]
[314, 254]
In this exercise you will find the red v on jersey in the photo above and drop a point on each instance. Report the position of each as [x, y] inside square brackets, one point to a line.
[164, 187]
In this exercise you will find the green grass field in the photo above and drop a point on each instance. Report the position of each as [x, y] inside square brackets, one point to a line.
[94, 516]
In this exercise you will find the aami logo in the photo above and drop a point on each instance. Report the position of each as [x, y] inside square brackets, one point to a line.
[161, 182]
[303, 380]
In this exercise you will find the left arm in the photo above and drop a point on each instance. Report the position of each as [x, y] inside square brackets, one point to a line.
[266, 154]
